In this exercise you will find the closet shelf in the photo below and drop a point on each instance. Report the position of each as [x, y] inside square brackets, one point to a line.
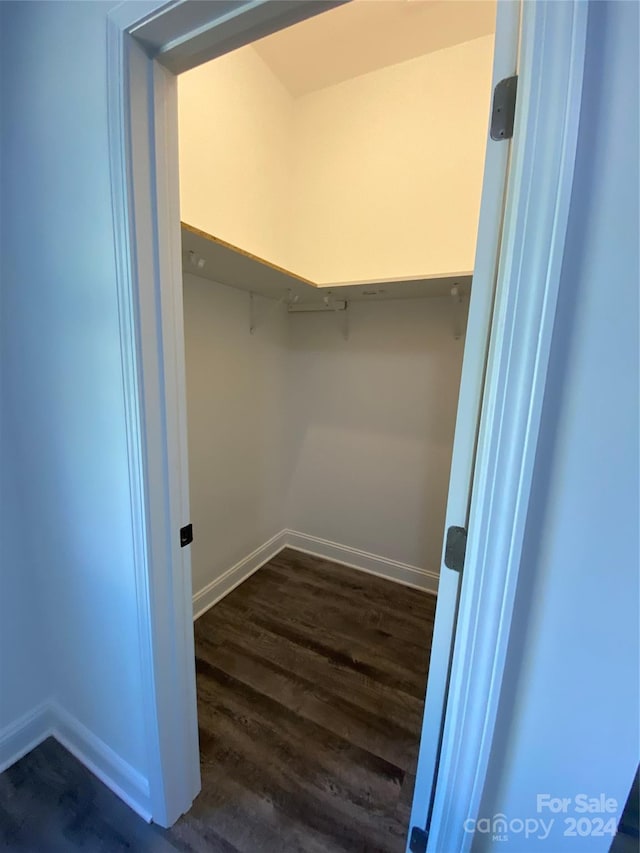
[214, 259]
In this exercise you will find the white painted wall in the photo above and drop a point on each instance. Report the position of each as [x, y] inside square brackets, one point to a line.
[235, 135]
[24, 658]
[236, 404]
[63, 380]
[570, 706]
[371, 423]
[295, 427]
[388, 168]
[23, 654]
[376, 177]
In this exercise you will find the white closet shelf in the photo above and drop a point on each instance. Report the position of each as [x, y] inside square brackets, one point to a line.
[215, 259]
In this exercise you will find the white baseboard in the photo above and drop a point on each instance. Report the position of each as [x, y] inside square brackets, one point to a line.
[354, 558]
[50, 719]
[24, 734]
[218, 588]
[126, 782]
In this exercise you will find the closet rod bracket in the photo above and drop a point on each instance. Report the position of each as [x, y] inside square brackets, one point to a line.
[339, 308]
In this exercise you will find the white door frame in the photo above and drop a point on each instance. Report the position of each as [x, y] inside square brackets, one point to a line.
[144, 182]
[551, 66]
[476, 346]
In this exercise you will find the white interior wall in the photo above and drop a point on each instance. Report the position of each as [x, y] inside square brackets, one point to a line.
[371, 422]
[236, 406]
[235, 137]
[24, 658]
[295, 427]
[388, 168]
[62, 387]
[24, 664]
[376, 177]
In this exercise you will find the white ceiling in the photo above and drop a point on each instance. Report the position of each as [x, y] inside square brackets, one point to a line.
[364, 35]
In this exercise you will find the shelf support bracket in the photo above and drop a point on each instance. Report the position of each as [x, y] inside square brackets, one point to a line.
[342, 321]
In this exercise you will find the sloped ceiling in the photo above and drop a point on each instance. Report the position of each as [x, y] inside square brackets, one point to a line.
[364, 35]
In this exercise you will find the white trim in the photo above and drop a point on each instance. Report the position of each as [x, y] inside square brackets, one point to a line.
[24, 734]
[193, 37]
[128, 17]
[144, 423]
[344, 555]
[125, 242]
[540, 185]
[180, 677]
[101, 760]
[364, 561]
[476, 347]
[233, 577]
[50, 719]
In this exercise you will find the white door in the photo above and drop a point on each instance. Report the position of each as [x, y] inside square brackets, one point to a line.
[467, 420]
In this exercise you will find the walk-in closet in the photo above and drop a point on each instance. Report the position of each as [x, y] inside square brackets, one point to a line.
[330, 185]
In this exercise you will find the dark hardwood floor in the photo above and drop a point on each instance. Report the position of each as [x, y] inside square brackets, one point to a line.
[311, 680]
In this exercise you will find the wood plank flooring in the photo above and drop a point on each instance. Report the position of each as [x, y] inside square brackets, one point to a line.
[311, 680]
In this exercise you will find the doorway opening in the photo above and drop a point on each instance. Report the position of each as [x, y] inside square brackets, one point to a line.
[491, 470]
[330, 195]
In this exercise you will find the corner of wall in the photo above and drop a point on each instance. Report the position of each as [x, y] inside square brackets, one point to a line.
[50, 719]
[236, 574]
[24, 734]
[354, 558]
[119, 776]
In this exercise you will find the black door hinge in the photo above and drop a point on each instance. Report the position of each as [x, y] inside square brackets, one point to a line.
[503, 111]
[418, 840]
[455, 548]
[186, 535]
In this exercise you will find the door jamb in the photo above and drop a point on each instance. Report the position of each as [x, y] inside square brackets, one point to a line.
[472, 380]
[143, 159]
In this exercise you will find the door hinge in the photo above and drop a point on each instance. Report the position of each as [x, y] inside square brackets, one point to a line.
[418, 840]
[503, 111]
[455, 548]
[186, 535]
